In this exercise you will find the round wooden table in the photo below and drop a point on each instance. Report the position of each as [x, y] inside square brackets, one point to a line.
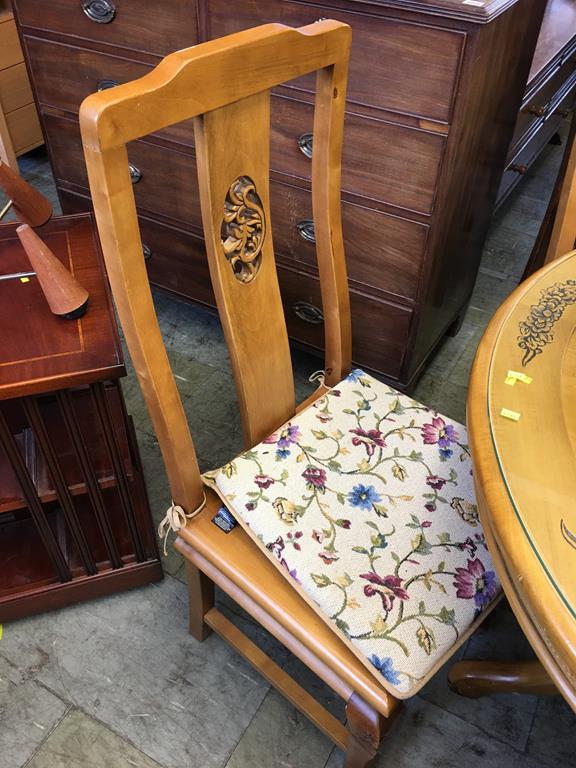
[522, 432]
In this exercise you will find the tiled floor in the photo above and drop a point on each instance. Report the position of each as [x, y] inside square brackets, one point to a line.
[118, 682]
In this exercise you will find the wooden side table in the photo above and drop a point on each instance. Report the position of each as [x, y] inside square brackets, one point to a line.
[74, 516]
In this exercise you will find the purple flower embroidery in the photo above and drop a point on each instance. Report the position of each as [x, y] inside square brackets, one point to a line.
[369, 439]
[263, 481]
[315, 478]
[435, 482]
[430, 506]
[391, 588]
[476, 582]
[284, 439]
[439, 432]
[468, 546]
[292, 572]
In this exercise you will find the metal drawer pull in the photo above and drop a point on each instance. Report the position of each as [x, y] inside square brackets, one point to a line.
[135, 173]
[100, 11]
[104, 85]
[305, 229]
[532, 109]
[308, 312]
[146, 251]
[518, 168]
[305, 144]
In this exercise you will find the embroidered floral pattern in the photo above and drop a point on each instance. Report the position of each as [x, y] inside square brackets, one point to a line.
[366, 499]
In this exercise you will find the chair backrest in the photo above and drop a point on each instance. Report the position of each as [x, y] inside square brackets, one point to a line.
[225, 86]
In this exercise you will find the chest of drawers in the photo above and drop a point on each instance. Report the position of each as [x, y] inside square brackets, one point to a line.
[435, 88]
[550, 93]
[19, 125]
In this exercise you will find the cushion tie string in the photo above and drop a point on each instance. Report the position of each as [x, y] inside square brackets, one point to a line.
[175, 519]
[317, 376]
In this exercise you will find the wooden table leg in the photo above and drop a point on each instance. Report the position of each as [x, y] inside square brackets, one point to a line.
[482, 678]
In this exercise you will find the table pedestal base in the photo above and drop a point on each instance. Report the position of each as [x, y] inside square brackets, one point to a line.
[481, 678]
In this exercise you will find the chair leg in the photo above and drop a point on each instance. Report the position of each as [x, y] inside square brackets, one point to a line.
[364, 725]
[200, 600]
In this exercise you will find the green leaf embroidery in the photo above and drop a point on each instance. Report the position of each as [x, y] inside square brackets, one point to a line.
[321, 580]
[447, 616]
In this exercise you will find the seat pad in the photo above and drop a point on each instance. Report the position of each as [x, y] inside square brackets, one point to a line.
[365, 502]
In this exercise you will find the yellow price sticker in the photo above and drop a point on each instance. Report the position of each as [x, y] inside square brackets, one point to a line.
[24, 279]
[518, 376]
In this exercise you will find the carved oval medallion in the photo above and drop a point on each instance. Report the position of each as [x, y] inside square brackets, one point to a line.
[243, 229]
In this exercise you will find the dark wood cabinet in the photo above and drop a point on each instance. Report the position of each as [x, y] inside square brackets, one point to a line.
[434, 94]
[74, 516]
[550, 93]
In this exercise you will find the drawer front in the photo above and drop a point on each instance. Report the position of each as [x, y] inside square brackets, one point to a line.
[64, 75]
[24, 128]
[379, 329]
[522, 161]
[167, 183]
[178, 262]
[382, 252]
[544, 101]
[381, 161]
[395, 65]
[175, 260]
[142, 25]
[15, 90]
[10, 50]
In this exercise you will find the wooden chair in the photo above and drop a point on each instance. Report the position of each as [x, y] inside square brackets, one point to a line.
[224, 85]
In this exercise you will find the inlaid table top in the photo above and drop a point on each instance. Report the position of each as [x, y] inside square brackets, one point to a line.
[522, 423]
[40, 352]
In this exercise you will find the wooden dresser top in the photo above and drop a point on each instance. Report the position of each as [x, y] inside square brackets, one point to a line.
[479, 11]
[39, 351]
[557, 33]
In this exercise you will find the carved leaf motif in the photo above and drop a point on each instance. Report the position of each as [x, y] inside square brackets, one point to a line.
[243, 229]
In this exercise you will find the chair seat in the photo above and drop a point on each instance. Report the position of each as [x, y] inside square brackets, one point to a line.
[364, 502]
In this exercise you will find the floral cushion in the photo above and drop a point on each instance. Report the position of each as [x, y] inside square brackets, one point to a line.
[365, 501]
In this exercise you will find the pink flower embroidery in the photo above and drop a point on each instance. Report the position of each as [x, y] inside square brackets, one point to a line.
[328, 557]
[369, 439]
[476, 582]
[439, 432]
[391, 588]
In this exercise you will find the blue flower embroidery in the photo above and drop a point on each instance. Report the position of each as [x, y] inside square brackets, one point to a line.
[385, 666]
[282, 453]
[363, 496]
[355, 375]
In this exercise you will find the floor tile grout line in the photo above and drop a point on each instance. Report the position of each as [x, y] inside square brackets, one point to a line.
[65, 714]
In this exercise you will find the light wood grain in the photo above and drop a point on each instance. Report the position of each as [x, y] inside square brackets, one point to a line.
[563, 237]
[15, 90]
[30, 206]
[524, 470]
[250, 312]
[225, 86]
